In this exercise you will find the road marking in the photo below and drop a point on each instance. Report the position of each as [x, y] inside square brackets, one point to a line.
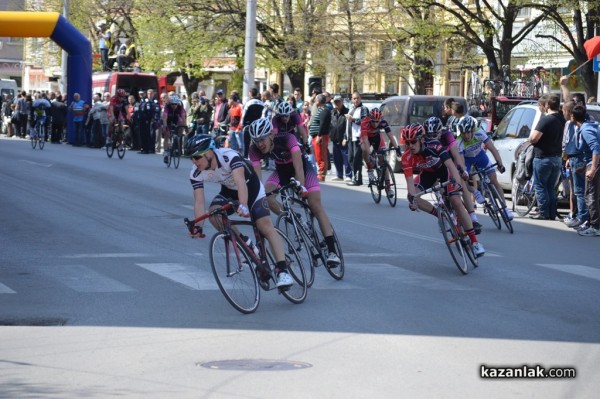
[5, 290]
[45, 165]
[190, 276]
[579, 270]
[107, 255]
[84, 279]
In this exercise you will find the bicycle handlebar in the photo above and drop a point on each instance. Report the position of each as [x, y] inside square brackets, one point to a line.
[191, 224]
[436, 187]
[295, 184]
[478, 171]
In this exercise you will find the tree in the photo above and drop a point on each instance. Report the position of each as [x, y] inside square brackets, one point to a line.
[581, 23]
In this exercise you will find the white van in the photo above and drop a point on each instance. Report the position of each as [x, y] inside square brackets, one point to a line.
[8, 86]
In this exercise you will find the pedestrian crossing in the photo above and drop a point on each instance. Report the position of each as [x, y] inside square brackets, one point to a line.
[359, 276]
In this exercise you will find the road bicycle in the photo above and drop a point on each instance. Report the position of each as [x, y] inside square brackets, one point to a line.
[38, 133]
[457, 241]
[474, 95]
[384, 177]
[116, 140]
[301, 227]
[494, 205]
[523, 193]
[174, 153]
[239, 271]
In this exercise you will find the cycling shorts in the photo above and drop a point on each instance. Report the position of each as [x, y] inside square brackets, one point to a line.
[427, 180]
[257, 201]
[284, 172]
[481, 160]
[376, 142]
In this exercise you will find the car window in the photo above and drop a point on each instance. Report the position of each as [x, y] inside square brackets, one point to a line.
[508, 125]
[594, 115]
[392, 112]
[421, 110]
[526, 123]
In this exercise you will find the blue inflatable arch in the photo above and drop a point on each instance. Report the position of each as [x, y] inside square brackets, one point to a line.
[56, 27]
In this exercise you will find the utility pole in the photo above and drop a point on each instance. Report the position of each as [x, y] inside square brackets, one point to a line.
[63, 87]
[250, 48]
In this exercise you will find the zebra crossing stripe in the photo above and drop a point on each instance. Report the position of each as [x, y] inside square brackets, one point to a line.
[579, 270]
[188, 275]
[84, 279]
[5, 290]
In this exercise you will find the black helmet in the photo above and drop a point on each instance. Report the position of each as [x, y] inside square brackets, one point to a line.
[201, 144]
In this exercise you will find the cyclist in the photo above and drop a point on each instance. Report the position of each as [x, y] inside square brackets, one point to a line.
[284, 149]
[434, 130]
[173, 114]
[370, 135]
[238, 182]
[287, 120]
[117, 110]
[432, 162]
[470, 145]
[40, 109]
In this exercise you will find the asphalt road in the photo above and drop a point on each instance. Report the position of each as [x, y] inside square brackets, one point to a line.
[103, 294]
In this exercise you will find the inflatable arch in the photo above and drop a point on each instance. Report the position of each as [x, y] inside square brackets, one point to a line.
[57, 28]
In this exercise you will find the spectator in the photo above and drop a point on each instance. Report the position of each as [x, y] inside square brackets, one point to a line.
[354, 118]
[275, 97]
[337, 135]
[58, 113]
[547, 142]
[254, 109]
[587, 137]
[98, 117]
[22, 111]
[319, 127]
[574, 162]
[202, 114]
[78, 111]
[220, 115]
[298, 97]
[104, 43]
[236, 139]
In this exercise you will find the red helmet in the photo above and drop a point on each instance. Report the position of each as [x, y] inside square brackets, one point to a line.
[375, 114]
[412, 132]
[121, 92]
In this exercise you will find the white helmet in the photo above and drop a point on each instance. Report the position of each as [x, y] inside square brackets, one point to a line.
[260, 128]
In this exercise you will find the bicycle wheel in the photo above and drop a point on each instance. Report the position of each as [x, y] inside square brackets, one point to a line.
[297, 236]
[297, 292]
[121, 146]
[41, 137]
[491, 207]
[175, 148]
[235, 275]
[501, 209]
[33, 137]
[523, 197]
[392, 185]
[110, 148]
[335, 272]
[453, 242]
[375, 187]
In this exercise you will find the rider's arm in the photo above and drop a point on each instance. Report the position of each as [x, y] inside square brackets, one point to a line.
[452, 169]
[303, 132]
[242, 188]
[298, 165]
[199, 204]
[490, 145]
[393, 142]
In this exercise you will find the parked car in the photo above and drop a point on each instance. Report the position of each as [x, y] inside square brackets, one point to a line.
[400, 111]
[514, 129]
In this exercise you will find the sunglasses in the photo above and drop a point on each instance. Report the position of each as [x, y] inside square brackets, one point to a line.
[197, 157]
[284, 115]
[374, 121]
[412, 141]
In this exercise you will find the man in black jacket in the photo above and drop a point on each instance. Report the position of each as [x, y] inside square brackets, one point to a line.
[337, 135]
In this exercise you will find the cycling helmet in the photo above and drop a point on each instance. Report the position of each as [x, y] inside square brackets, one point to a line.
[201, 144]
[375, 114]
[412, 132]
[121, 92]
[284, 109]
[174, 100]
[433, 127]
[466, 124]
[260, 129]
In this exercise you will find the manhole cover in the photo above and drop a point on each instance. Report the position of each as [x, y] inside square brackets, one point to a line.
[255, 365]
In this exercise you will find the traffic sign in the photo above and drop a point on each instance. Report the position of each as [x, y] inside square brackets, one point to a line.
[597, 63]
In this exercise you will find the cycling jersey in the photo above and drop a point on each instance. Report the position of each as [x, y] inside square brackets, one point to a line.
[472, 148]
[288, 127]
[175, 116]
[118, 105]
[227, 161]
[40, 106]
[284, 145]
[430, 160]
[447, 139]
[367, 129]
